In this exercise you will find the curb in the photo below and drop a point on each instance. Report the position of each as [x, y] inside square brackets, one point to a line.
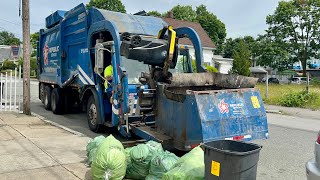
[274, 111]
[57, 125]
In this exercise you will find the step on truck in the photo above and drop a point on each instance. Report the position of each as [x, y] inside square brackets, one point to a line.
[153, 92]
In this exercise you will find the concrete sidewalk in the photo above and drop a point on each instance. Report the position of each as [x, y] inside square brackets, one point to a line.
[32, 149]
[297, 112]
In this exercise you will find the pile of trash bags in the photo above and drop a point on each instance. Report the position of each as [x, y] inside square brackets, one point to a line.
[161, 164]
[189, 167]
[92, 147]
[149, 161]
[109, 160]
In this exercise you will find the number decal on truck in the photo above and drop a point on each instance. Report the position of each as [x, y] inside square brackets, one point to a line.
[255, 102]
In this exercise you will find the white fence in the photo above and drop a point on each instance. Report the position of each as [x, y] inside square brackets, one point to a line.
[11, 90]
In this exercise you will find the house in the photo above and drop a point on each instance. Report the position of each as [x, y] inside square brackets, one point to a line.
[5, 53]
[12, 53]
[223, 65]
[207, 44]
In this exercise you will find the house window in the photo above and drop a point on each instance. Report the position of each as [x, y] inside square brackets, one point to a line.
[217, 65]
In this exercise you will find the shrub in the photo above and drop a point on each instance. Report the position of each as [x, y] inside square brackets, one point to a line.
[212, 69]
[209, 68]
[298, 99]
[315, 81]
[8, 65]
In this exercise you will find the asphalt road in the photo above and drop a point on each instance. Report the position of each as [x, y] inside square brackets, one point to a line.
[282, 157]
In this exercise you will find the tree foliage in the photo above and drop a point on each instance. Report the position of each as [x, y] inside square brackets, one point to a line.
[185, 13]
[111, 5]
[241, 56]
[7, 38]
[33, 64]
[230, 46]
[34, 38]
[294, 26]
[270, 53]
[155, 14]
[210, 23]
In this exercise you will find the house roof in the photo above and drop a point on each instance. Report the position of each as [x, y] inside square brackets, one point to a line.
[205, 39]
[258, 69]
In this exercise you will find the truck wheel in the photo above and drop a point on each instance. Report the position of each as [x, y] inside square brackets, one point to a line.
[57, 101]
[92, 115]
[47, 97]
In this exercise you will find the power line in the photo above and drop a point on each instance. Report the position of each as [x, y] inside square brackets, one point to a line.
[19, 24]
[10, 22]
[4, 29]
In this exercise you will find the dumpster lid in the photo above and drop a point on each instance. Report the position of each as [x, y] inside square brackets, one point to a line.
[231, 147]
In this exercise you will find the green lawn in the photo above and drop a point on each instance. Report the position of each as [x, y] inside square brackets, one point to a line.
[276, 92]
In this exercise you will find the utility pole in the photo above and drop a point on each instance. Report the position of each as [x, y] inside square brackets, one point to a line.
[26, 56]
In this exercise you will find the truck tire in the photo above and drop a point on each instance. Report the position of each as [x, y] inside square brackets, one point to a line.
[47, 97]
[92, 115]
[57, 101]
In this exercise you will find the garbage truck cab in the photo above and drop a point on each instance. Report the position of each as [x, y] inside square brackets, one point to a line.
[154, 92]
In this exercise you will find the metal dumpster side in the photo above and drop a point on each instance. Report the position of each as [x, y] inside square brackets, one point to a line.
[194, 117]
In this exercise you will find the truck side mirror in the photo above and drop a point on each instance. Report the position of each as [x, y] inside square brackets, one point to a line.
[99, 58]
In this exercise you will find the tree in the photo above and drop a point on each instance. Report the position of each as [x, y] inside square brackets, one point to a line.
[231, 44]
[7, 38]
[272, 54]
[185, 13]
[295, 26]
[229, 47]
[212, 25]
[111, 5]
[241, 56]
[34, 38]
[155, 14]
[33, 64]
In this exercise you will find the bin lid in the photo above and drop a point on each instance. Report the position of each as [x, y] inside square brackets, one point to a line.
[231, 147]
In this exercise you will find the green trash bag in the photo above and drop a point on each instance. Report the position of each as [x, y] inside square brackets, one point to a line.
[189, 167]
[161, 164]
[127, 152]
[110, 161]
[140, 158]
[92, 148]
[154, 147]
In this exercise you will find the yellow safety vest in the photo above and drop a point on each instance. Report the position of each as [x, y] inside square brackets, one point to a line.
[107, 72]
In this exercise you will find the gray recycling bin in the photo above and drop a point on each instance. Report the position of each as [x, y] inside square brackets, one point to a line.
[231, 160]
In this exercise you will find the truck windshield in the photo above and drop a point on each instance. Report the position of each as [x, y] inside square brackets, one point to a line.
[134, 69]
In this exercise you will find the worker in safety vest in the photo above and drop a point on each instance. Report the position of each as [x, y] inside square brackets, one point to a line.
[108, 72]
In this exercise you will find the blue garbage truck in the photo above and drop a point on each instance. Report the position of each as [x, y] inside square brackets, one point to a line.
[153, 91]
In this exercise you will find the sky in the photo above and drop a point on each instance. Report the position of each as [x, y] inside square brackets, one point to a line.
[241, 17]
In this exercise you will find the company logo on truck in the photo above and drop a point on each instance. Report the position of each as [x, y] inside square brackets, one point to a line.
[223, 107]
[53, 51]
[45, 54]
